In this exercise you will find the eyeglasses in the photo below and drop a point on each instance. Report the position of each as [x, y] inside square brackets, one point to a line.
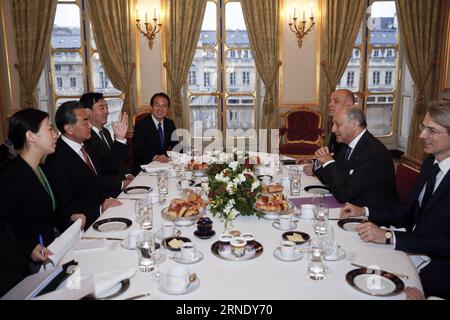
[161, 106]
[430, 130]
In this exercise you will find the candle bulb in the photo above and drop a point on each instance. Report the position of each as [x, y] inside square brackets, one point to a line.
[312, 11]
[159, 18]
[154, 13]
[137, 14]
[290, 18]
[295, 10]
[146, 20]
[304, 15]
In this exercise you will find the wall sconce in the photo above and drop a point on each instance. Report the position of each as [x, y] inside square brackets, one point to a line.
[300, 29]
[151, 29]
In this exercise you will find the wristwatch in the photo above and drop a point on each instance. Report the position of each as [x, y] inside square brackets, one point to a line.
[388, 236]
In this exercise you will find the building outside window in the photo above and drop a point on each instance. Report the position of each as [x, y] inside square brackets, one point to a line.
[350, 78]
[388, 78]
[73, 82]
[246, 78]
[192, 78]
[376, 78]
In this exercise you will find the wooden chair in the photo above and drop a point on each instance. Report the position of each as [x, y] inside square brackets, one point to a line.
[406, 175]
[302, 134]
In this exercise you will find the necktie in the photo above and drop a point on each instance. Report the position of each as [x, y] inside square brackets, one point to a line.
[430, 186]
[102, 136]
[161, 135]
[88, 160]
[348, 152]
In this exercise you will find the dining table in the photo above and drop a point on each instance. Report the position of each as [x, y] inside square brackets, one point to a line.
[261, 277]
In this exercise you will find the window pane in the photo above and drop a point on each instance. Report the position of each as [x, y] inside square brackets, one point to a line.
[101, 82]
[383, 24]
[240, 112]
[68, 76]
[236, 31]
[240, 72]
[203, 72]
[382, 70]
[93, 44]
[208, 35]
[66, 29]
[203, 111]
[350, 78]
[379, 114]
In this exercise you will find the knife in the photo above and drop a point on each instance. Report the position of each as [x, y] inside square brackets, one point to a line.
[99, 238]
[400, 275]
[138, 296]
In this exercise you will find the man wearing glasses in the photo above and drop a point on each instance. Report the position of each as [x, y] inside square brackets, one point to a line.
[152, 136]
[426, 214]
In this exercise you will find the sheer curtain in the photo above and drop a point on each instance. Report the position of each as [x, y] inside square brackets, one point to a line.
[183, 24]
[341, 21]
[418, 24]
[33, 21]
[112, 23]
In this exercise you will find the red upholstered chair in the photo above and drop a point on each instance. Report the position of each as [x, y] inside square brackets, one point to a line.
[302, 135]
[405, 177]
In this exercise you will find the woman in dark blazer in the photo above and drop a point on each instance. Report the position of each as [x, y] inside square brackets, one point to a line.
[27, 202]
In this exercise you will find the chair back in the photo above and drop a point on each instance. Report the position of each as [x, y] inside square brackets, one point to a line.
[405, 177]
[141, 114]
[303, 126]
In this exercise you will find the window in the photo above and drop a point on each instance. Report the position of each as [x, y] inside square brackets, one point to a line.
[376, 78]
[350, 78]
[228, 100]
[388, 78]
[381, 99]
[377, 44]
[206, 79]
[74, 60]
[232, 78]
[192, 78]
[246, 78]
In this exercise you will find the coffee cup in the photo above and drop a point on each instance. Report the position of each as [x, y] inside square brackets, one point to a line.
[178, 278]
[185, 184]
[132, 238]
[168, 229]
[307, 211]
[287, 249]
[285, 221]
[188, 250]
[238, 246]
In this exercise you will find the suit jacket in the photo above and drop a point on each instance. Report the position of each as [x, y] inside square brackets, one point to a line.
[109, 160]
[13, 268]
[367, 179]
[76, 187]
[146, 142]
[431, 235]
[25, 205]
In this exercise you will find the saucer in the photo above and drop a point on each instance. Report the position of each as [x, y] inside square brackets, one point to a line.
[341, 255]
[197, 258]
[164, 287]
[125, 244]
[204, 236]
[297, 255]
[276, 225]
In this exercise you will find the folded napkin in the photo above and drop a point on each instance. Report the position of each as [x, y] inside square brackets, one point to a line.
[63, 243]
[88, 245]
[154, 166]
[104, 281]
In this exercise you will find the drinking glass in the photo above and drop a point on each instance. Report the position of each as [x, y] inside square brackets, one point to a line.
[163, 184]
[146, 216]
[321, 213]
[295, 181]
[177, 166]
[146, 247]
[139, 205]
[318, 199]
[326, 241]
[316, 266]
[158, 257]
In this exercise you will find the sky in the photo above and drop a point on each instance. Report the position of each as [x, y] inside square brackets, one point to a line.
[69, 16]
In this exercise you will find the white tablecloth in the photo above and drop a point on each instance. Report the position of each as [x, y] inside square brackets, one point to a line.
[264, 277]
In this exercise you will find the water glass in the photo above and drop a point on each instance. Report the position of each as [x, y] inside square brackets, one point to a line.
[139, 206]
[326, 241]
[316, 266]
[177, 166]
[163, 182]
[321, 214]
[318, 199]
[146, 217]
[146, 247]
[295, 181]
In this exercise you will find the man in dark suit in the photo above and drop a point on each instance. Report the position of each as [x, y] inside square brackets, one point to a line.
[152, 136]
[425, 214]
[6, 153]
[339, 100]
[110, 154]
[78, 185]
[362, 172]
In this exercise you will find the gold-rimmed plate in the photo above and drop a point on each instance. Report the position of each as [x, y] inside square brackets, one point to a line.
[221, 250]
[375, 282]
[114, 292]
[350, 224]
[138, 190]
[112, 224]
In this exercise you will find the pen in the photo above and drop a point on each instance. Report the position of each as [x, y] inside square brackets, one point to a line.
[41, 242]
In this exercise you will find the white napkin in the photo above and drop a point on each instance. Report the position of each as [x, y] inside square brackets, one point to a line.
[154, 166]
[63, 243]
[106, 280]
[88, 245]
